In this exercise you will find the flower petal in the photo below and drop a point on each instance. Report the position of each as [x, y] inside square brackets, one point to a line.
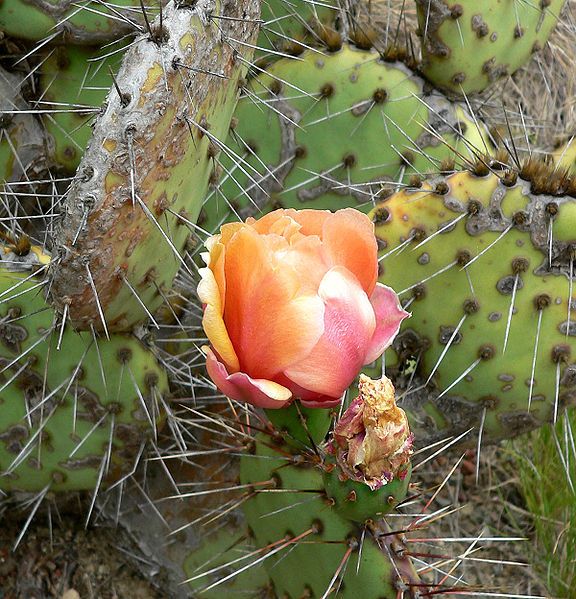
[389, 317]
[212, 320]
[349, 324]
[311, 221]
[241, 387]
[349, 241]
[270, 322]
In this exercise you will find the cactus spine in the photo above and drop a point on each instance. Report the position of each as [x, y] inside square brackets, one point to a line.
[496, 353]
[121, 239]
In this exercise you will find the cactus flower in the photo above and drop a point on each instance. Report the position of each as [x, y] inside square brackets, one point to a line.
[372, 440]
[292, 308]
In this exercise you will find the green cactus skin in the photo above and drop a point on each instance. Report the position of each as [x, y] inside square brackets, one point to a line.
[67, 399]
[89, 22]
[348, 120]
[22, 149]
[293, 506]
[357, 502]
[285, 22]
[148, 164]
[468, 45]
[222, 547]
[458, 251]
[75, 82]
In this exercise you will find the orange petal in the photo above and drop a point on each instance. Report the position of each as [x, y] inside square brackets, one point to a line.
[212, 320]
[349, 241]
[270, 323]
[311, 221]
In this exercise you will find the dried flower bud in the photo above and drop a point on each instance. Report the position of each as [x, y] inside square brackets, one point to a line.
[372, 440]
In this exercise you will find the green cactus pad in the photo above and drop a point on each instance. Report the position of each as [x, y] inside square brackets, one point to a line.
[468, 45]
[226, 551]
[89, 22]
[326, 130]
[70, 416]
[74, 82]
[147, 167]
[286, 23]
[484, 260]
[307, 540]
[22, 151]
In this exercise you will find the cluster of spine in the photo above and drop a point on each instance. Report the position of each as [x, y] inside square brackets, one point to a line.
[496, 243]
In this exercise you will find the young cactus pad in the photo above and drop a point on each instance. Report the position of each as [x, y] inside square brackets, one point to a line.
[323, 130]
[146, 170]
[75, 410]
[485, 261]
[468, 45]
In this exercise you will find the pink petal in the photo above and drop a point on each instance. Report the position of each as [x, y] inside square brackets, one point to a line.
[349, 324]
[239, 386]
[389, 317]
[322, 402]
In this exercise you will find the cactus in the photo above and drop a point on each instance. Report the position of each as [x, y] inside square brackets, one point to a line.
[308, 529]
[484, 258]
[74, 82]
[324, 131]
[143, 176]
[467, 46]
[22, 151]
[75, 410]
[88, 23]
[287, 23]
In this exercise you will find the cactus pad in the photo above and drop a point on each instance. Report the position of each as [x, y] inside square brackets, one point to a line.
[89, 22]
[148, 164]
[484, 259]
[74, 82]
[468, 45]
[323, 131]
[74, 416]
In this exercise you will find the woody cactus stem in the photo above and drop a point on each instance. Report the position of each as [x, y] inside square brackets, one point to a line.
[147, 167]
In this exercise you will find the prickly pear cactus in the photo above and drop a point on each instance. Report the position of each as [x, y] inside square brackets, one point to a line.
[74, 82]
[289, 26]
[467, 46]
[75, 410]
[89, 22]
[22, 148]
[302, 529]
[325, 130]
[142, 179]
[485, 261]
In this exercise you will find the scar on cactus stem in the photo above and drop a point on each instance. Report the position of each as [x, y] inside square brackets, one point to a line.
[371, 447]
[149, 165]
[292, 307]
